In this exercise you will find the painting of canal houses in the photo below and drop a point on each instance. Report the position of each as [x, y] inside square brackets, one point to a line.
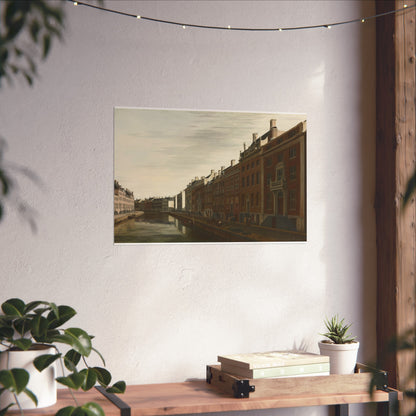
[185, 176]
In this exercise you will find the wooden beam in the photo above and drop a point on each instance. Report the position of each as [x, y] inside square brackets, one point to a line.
[395, 164]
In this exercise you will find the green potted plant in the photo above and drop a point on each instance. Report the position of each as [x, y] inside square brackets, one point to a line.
[34, 331]
[340, 346]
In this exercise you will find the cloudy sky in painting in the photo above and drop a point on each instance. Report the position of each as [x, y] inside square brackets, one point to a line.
[158, 152]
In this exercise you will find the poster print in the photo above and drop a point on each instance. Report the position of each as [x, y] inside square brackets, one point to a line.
[208, 177]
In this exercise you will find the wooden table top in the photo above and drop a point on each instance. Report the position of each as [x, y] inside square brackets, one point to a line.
[199, 397]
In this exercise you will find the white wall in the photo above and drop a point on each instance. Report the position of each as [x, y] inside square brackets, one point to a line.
[160, 313]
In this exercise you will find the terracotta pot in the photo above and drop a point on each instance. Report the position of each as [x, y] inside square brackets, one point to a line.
[42, 384]
[342, 357]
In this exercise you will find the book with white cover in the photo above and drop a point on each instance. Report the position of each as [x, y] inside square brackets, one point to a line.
[272, 359]
[281, 371]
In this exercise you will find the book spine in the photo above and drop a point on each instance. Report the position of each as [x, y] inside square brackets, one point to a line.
[293, 370]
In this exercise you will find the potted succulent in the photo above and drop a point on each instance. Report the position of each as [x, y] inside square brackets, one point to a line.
[341, 347]
[31, 338]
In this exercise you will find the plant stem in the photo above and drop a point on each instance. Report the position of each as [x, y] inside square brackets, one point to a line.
[18, 403]
[63, 373]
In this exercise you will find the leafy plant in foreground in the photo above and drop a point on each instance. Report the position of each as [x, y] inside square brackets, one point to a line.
[25, 326]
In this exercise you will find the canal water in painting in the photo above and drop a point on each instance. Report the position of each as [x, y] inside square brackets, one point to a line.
[158, 228]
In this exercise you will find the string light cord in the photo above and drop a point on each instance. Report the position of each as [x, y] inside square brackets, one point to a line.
[242, 29]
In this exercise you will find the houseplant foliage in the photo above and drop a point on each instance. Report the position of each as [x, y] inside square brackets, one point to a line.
[24, 326]
[28, 28]
[337, 331]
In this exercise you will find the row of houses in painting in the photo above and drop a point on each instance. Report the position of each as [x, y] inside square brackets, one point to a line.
[267, 186]
[155, 204]
[123, 199]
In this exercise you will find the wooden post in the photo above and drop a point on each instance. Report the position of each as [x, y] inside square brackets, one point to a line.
[395, 164]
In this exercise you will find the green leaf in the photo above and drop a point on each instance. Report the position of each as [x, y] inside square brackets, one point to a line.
[46, 45]
[90, 379]
[33, 305]
[98, 353]
[14, 380]
[88, 409]
[44, 361]
[93, 409]
[54, 309]
[22, 325]
[4, 54]
[34, 30]
[119, 387]
[77, 338]
[59, 315]
[31, 396]
[28, 78]
[410, 188]
[22, 343]
[13, 307]
[103, 376]
[71, 360]
[39, 327]
[4, 411]
[65, 411]
[15, 28]
[6, 332]
[73, 381]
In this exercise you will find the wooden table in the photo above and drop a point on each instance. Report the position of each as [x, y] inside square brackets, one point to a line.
[193, 397]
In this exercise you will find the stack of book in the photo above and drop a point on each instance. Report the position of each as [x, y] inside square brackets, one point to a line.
[275, 364]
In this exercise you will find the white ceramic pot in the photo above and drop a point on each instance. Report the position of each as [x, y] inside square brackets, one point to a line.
[342, 357]
[42, 384]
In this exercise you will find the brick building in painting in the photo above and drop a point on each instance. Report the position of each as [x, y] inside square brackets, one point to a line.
[266, 187]
[123, 199]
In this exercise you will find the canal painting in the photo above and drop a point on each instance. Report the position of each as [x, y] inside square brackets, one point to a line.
[184, 176]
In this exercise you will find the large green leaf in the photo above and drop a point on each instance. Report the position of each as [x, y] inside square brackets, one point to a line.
[88, 409]
[77, 338]
[39, 327]
[22, 325]
[90, 378]
[73, 381]
[6, 332]
[93, 409]
[22, 343]
[14, 380]
[71, 360]
[13, 307]
[60, 315]
[119, 387]
[103, 376]
[33, 305]
[44, 361]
